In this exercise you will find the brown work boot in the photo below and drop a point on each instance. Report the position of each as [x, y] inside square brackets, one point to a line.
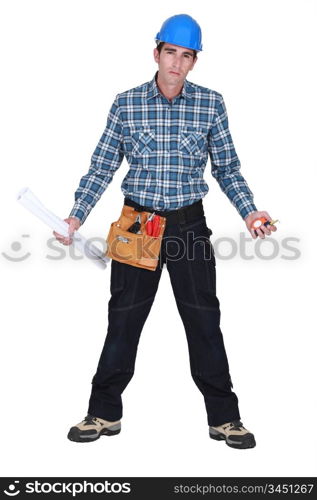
[91, 428]
[234, 434]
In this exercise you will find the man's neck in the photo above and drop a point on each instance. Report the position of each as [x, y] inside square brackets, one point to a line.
[169, 91]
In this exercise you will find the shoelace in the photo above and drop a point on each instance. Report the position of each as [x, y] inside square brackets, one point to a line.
[90, 420]
[236, 425]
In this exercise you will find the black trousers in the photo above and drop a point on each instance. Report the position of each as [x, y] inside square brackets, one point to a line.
[188, 254]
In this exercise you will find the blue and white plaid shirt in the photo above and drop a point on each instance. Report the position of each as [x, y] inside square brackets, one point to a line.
[166, 145]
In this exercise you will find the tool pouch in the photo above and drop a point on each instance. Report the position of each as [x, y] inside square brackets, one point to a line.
[139, 250]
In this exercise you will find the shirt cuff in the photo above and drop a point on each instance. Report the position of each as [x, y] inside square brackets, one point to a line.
[248, 210]
[76, 217]
[79, 212]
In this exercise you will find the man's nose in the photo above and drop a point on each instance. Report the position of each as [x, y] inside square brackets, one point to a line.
[176, 62]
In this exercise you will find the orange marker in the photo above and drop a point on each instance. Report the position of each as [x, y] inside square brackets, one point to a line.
[257, 223]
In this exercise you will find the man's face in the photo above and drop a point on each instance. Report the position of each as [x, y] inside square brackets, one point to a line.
[174, 63]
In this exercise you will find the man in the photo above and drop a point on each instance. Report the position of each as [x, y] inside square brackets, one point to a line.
[167, 128]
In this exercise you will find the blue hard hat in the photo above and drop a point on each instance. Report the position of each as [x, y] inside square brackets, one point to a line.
[181, 30]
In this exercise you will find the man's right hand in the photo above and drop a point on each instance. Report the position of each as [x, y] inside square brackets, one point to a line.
[74, 225]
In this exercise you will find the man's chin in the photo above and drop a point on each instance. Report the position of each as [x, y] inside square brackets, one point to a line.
[175, 78]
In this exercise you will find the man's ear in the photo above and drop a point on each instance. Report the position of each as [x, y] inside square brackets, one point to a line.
[156, 55]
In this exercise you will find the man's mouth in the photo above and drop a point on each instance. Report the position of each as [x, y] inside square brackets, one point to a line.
[174, 73]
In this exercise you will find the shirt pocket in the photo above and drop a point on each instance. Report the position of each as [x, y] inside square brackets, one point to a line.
[143, 140]
[192, 141]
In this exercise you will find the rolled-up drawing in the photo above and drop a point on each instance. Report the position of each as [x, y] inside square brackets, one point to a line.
[34, 205]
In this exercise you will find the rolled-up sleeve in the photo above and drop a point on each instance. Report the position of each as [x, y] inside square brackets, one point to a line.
[105, 160]
[225, 164]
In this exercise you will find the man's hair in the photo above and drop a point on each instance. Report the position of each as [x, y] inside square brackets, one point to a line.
[159, 47]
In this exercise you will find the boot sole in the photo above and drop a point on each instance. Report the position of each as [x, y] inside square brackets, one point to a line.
[74, 435]
[248, 442]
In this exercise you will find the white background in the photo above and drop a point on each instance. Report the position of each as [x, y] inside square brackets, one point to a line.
[63, 61]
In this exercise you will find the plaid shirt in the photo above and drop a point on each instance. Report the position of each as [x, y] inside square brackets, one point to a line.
[166, 145]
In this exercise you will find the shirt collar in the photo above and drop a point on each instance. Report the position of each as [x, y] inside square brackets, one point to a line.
[153, 89]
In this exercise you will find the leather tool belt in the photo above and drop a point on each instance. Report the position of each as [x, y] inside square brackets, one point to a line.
[142, 250]
[136, 249]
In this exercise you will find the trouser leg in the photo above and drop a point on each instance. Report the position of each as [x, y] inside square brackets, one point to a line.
[132, 293]
[193, 279]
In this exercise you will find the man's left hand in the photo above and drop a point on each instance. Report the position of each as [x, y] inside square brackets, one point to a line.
[262, 230]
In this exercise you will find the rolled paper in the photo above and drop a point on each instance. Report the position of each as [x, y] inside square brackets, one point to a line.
[28, 199]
